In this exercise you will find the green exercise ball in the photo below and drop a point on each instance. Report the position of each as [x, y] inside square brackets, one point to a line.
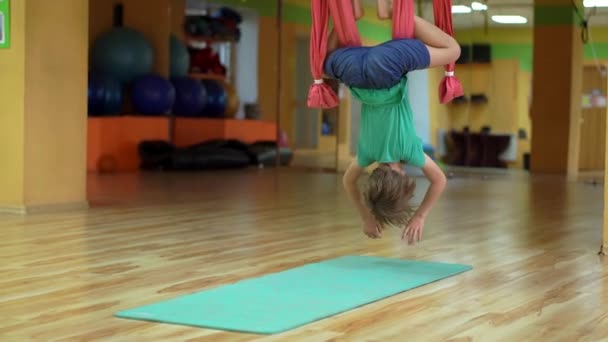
[179, 58]
[122, 54]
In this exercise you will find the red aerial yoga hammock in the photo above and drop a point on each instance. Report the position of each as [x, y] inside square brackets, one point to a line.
[341, 11]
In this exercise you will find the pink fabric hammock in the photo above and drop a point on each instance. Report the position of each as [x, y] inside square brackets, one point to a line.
[341, 12]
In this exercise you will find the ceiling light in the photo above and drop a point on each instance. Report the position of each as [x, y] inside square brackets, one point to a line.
[461, 9]
[595, 3]
[478, 6]
[509, 19]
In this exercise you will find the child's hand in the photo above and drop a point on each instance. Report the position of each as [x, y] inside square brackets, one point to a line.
[371, 228]
[413, 230]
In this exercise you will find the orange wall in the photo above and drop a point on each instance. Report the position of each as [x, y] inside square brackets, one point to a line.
[12, 89]
[267, 68]
[605, 234]
[267, 74]
[178, 14]
[55, 102]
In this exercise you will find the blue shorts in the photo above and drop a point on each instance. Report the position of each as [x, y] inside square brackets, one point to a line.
[377, 67]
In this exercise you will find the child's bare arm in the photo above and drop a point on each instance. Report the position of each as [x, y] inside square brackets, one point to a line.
[413, 230]
[438, 181]
[350, 179]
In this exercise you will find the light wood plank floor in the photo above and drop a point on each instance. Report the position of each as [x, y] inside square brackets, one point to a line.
[533, 243]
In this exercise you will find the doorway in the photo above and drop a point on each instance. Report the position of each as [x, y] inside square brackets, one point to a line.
[593, 119]
[315, 130]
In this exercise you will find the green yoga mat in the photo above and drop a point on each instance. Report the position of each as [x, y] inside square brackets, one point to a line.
[281, 301]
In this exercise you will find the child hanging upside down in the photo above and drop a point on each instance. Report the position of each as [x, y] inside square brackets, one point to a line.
[377, 76]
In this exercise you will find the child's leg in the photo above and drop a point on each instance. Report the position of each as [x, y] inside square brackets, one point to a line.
[386, 64]
[443, 49]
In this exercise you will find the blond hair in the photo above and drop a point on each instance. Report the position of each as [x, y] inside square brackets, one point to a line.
[387, 194]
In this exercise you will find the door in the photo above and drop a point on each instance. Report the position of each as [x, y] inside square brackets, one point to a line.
[314, 147]
[593, 120]
[306, 118]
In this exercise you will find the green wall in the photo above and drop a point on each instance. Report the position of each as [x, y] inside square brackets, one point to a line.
[524, 52]
[371, 29]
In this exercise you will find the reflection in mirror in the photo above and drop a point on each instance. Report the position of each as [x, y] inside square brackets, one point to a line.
[490, 126]
[451, 121]
[314, 130]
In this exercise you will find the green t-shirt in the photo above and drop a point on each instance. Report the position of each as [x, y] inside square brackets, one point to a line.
[386, 132]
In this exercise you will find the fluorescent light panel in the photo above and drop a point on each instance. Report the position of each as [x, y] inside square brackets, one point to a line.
[595, 3]
[478, 6]
[461, 9]
[509, 19]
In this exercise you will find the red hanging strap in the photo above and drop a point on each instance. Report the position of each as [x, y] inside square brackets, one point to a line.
[450, 87]
[320, 95]
[403, 19]
[343, 16]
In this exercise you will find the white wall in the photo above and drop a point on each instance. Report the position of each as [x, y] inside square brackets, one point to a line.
[247, 60]
[418, 84]
[246, 51]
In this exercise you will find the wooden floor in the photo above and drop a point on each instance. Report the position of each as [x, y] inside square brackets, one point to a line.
[324, 159]
[533, 244]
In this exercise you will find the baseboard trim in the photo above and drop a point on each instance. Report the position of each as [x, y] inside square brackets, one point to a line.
[44, 208]
[15, 210]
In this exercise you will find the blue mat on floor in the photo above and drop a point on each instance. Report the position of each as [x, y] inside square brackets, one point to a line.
[281, 301]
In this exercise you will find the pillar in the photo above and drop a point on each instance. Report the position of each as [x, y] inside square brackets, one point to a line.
[556, 95]
[177, 10]
[43, 102]
[605, 235]
[12, 92]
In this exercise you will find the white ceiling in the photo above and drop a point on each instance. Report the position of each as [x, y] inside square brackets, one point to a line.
[500, 7]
